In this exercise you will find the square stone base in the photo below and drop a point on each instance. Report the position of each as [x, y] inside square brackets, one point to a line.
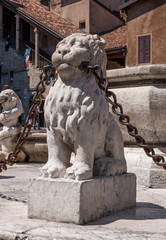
[80, 202]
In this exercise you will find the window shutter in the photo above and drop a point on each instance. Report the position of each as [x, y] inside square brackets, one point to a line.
[144, 49]
[140, 50]
[147, 49]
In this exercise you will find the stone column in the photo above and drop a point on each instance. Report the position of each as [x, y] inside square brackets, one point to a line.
[1, 21]
[36, 46]
[17, 32]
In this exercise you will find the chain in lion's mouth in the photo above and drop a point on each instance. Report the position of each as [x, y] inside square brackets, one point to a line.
[69, 64]
[82, 66]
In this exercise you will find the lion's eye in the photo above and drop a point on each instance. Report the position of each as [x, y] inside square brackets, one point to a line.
[81, 45]
[72, 42]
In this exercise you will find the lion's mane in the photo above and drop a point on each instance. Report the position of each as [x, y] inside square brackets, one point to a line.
[87, 101]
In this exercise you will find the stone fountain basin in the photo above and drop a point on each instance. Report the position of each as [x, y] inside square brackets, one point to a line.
[36, 147]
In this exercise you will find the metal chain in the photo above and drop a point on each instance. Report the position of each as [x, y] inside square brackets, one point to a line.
[37, 99]
[125, 119]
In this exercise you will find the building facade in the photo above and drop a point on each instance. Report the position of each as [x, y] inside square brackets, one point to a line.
[146, 32]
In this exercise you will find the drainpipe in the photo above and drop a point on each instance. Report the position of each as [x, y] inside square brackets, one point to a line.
[17, 32]
[36, 47]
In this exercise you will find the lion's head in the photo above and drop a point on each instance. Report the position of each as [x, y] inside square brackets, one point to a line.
[8, 99]
[79, 47]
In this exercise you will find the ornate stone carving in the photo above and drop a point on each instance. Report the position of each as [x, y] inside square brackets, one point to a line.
[77, 115]
[12, 109]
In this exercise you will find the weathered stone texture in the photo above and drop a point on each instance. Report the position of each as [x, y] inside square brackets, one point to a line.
[77, 115]
[80, 202]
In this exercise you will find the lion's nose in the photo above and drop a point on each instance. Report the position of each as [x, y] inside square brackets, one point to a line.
[63, 51]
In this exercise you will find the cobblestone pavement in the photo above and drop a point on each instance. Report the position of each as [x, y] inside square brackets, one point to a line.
[145, 221]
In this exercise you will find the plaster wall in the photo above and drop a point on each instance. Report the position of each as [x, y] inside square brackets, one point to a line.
[101, 19]
[55, 5]
[77, 12]
[152, 23]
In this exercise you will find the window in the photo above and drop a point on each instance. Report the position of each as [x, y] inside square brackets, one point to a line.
[82, 25]
[11, 76]
[144, 49]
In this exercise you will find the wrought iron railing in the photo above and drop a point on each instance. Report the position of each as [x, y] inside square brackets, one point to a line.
[42, 58]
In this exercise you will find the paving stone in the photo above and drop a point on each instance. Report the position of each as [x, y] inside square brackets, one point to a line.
[145, 221]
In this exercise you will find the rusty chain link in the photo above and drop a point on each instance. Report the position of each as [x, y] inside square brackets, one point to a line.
[125, 119]
[40, 89]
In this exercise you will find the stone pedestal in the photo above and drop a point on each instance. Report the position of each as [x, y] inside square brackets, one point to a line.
[80, 202]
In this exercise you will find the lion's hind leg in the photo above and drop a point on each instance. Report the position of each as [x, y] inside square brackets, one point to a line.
[107, 166]
[113, 163]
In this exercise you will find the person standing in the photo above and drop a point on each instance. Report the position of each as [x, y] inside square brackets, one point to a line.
[37, 122]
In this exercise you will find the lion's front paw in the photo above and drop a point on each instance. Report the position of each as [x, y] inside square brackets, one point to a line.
[3, 155]
[79, 172]
[56, 170]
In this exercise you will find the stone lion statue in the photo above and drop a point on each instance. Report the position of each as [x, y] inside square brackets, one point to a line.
[12, 109]
[77, 115]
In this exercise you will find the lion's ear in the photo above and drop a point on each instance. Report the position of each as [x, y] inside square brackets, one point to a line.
[100, 41]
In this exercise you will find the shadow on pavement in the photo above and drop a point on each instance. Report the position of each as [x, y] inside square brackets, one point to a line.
[6, 177]
[142, 211]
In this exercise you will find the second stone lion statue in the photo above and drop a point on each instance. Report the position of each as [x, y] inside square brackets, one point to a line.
[77, 115]
[12, 109]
